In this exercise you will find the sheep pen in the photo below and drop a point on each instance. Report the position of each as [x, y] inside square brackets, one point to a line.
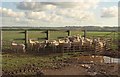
[49, 42]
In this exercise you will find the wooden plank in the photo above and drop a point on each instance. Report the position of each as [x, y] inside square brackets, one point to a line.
[69, 33]
[47, 35]
[85, 33]
[26, 38]
[0, 40]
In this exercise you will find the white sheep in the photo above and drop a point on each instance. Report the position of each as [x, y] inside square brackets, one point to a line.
[76, 46]
[98, 45]
[32, 43]
[65, 46]
[66, 40]
[18, 47]
[37, 46]
[88, 41]
[61, 41]
[75, 38]
[52, 43]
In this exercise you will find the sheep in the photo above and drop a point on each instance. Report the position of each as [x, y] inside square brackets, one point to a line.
[70, 38]
[36, 46]
[78, 37]
[56, 43]
[76, 41]
[40, 45]
[18, 47]
[49, 43]
[32, 44]
[86, 44]
[67, 40]
[61, 41]
[75, 38]
[76, 46]
[82, 41]
[64, 46]
[88, 41]
[53, 44]
[46, 41]
[98, 45]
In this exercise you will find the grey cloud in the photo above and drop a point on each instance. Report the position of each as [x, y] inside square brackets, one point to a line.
[40, 6]
[110, 12]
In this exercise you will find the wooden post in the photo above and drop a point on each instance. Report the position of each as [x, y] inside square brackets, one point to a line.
[48, 35]
[26, 38]
[1, 49]
[114, 37]
[69, 32]
[84, 34]
[0, 40]
[94, 45]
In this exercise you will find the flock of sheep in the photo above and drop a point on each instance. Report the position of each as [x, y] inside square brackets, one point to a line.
[72, 43]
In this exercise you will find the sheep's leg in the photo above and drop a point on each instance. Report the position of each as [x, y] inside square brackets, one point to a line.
[38, 48]
[24, 50]
[12, 49]
[34, 49]
[16, 50]
[31, 47]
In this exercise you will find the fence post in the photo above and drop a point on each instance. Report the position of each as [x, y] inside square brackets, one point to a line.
[114, 36]
[0, 40]
[69, 32]
[85, 34]
[48, 35]
[1, 49]
[26, 38]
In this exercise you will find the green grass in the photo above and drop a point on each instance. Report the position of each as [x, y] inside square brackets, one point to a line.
[102, 34]
[16, 61]
[37, 35]
[18, 36]
[12, 62]
[12, 35]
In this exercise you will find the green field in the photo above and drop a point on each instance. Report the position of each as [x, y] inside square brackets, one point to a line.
[40, 35]
[18, 36]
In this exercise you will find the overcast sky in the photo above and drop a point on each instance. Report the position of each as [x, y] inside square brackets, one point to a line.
[59, 13]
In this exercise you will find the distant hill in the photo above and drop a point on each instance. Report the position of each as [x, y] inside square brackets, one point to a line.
[96, 28]
[88, 28]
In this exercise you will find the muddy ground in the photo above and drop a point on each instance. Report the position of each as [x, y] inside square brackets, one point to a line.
[92, 69]
[70, 66]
